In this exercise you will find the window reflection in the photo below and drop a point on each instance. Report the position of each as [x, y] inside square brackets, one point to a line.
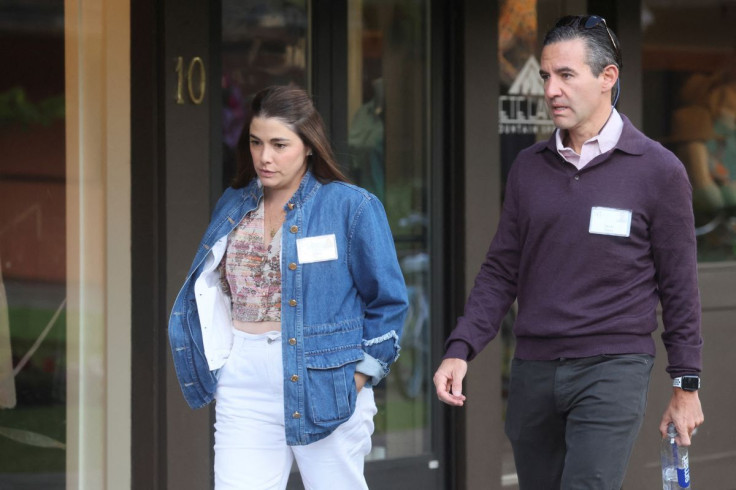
[263, 43]
[387, 138]
[703, 134]
[690, 80]
[32, 247]
[523, 120]
[366, 141]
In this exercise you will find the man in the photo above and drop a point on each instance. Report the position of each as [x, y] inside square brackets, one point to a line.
[596, 230]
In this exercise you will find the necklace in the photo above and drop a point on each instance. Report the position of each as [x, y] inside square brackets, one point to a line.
[273, 220]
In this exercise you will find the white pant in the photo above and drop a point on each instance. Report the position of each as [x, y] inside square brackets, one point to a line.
[250, 446]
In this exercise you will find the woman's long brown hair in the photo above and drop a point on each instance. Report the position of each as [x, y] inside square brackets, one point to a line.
[292, 106]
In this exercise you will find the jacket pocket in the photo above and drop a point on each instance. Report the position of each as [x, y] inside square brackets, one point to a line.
[331, 388]
[324, 342]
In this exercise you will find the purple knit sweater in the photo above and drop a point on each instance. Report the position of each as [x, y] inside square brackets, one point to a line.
[581, 294]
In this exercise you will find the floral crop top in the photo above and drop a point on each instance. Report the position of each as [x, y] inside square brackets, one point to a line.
[250, 271]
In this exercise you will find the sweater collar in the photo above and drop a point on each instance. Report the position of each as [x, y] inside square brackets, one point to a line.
[632, 140]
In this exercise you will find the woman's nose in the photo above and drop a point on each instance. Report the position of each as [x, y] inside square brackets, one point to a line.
[265, 154]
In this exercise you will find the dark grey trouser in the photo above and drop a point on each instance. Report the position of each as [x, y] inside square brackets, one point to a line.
[572, 423]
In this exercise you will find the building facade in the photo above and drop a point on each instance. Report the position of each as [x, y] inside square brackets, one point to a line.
[118, 123]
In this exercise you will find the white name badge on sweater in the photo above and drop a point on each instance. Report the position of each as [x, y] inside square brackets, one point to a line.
[610, 221]
[316, 249]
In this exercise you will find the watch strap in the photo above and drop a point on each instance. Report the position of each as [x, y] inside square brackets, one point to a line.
[687, 383]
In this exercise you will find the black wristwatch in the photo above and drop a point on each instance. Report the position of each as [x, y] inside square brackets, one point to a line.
[687, 383]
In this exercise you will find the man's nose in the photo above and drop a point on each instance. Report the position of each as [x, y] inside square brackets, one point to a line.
[551, 88]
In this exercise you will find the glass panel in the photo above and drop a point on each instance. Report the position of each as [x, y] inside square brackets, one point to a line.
[32, 246]
[523, 120]
[388, 66]
[264, 42]
[688, 61]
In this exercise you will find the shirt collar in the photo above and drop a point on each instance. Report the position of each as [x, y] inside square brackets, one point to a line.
[606, 138]
[632, 141]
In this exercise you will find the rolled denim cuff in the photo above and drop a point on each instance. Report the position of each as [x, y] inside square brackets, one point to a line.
[371, 367]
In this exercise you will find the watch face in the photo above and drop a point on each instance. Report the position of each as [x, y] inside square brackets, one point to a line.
[690, 383]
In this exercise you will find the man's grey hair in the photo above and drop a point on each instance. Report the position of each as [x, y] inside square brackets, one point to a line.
[600, 50]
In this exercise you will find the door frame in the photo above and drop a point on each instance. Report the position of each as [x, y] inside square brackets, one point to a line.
[171, 444]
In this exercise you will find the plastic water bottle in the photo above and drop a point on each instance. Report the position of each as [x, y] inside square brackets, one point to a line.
[675, 463]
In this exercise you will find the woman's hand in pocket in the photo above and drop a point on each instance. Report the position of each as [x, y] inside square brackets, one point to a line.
[360, 381]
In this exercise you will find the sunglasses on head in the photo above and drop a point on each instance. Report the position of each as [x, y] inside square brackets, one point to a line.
[588, 22]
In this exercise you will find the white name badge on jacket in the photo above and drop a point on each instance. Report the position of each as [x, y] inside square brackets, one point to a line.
[610, 221]
[316, 249]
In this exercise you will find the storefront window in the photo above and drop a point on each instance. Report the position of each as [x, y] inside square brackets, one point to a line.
[523, 120]
[688, 60]
[263, 43]
[388, 66]
[33, 364]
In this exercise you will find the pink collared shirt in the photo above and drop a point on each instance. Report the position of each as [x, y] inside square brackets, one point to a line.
[597, 145]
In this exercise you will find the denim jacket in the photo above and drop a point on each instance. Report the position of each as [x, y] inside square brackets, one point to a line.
[338, 315]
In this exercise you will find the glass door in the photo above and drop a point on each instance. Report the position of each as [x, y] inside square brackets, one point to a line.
[689, 105]
[388, 140]
[372, 73]
[263, 43]
[33, 345]
[523, 120]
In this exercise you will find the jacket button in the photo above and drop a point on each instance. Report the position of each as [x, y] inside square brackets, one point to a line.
[292, 266]
[294, 228]
[292, 302]
[296, 415]
[577, 177]
[290, 206]
[292, 341]
[294, 378]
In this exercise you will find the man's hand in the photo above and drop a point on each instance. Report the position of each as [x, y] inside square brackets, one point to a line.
[449, 381]
[686, 413]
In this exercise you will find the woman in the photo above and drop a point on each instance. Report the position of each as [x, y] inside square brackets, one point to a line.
[292, 309]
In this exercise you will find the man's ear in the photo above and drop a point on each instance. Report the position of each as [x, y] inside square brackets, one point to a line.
[609, 75]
